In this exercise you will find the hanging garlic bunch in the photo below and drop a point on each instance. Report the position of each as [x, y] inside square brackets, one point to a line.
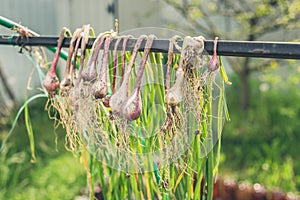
[100, 86]
[67, 81]
[89, 73]
[132, 106]
[118, 98]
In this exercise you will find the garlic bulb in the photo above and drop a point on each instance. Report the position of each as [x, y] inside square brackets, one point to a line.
[174, 95]
[214, 63]
[51, 82]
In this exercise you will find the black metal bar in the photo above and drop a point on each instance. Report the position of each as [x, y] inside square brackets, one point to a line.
[262, 49]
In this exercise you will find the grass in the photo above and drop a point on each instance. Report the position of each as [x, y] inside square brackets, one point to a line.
[62, 178]
[57, 174]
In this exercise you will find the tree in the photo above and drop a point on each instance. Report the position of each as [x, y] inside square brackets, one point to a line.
[240, 20]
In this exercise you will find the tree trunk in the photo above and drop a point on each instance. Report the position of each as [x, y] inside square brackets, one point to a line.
[245, 86]
[6, 87]
[245, 74]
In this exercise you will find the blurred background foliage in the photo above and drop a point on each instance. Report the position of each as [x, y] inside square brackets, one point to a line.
[260, 143]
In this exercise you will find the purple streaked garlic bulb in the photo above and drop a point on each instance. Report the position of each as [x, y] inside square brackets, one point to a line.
[100, 86]
[214, 63]
[51, 82]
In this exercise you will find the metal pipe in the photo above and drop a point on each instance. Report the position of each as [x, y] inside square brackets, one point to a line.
[12, 25]
[261, 49]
